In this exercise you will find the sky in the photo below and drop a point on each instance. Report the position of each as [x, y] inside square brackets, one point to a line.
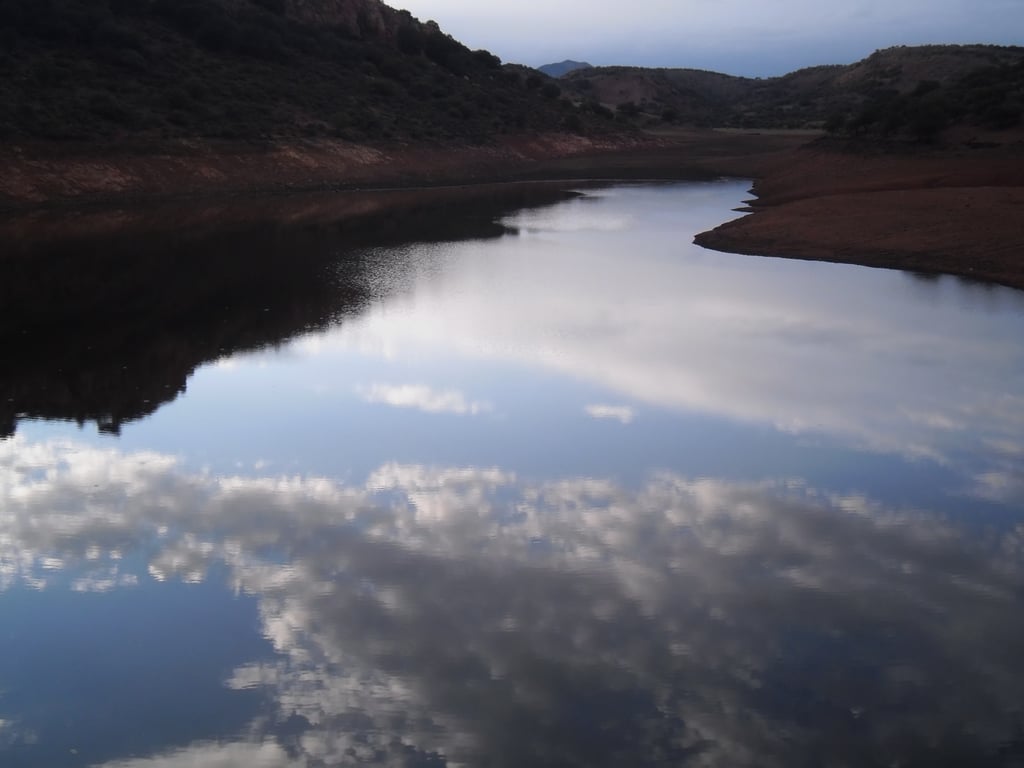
[755, 39]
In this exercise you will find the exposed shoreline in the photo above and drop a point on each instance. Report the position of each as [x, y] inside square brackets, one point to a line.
[950, 211]
[54, 174]
[53, 191]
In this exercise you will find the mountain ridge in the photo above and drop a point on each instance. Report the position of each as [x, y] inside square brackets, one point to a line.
[364, 72]
[824, 96]
[561, 68]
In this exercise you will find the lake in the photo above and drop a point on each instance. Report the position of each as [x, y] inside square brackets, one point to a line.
[514, 476]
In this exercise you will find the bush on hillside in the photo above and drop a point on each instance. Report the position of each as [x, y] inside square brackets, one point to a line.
[245, 69]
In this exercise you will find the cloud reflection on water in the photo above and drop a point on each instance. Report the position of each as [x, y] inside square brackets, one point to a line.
[861, 355]
[423, 398]
[477, 617]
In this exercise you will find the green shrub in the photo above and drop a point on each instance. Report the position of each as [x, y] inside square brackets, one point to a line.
[106, 106]
[486, 59]
[927, 118]
[836, 122]
[409, 39]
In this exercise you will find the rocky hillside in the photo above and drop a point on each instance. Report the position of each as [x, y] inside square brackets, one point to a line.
[885, 91]
[353, 69]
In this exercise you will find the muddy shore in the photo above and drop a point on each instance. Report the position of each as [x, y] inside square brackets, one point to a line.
[56, 191]
[955, 210]
[53, 174]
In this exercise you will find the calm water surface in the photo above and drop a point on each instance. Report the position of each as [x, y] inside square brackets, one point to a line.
[520, 479]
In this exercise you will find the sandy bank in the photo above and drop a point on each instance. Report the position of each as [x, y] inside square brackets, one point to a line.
[954, 211]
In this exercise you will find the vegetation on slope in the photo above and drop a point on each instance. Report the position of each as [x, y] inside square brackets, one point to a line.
[912, 91]
[362, 71]
[989, 97]
[353, 69]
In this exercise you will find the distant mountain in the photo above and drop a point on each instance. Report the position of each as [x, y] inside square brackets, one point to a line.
[563, 67]
[903, 89]
[258, 69]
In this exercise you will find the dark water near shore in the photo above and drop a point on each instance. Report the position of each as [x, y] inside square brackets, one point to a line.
[521, 478]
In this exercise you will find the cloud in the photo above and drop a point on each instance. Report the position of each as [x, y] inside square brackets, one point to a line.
[1001, 486]
[421, 613]
[621, 413]
[423, 398]
[757, 341]
[551, 221]
[101, 583]
[732, 36]
[216, 756]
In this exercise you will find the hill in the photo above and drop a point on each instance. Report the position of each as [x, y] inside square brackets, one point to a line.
[887, 91]
[990, 96]
[362, 71]
[242, 69]
[563, 67]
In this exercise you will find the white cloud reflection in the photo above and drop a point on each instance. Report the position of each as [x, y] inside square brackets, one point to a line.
[423, 398]
[622, 413]
[217, 756]
[449, 612]
[871, 357]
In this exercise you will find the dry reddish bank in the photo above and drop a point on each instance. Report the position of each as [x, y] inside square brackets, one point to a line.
[954, 211]
[47, 173]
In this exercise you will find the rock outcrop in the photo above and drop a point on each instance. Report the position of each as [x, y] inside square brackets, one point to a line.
[365, 19]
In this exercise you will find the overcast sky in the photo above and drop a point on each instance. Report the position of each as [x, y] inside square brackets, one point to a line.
[744, 38]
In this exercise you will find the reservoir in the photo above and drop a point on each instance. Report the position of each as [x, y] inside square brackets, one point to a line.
[501, 477]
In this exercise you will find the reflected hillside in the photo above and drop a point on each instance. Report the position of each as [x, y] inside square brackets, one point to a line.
[104, 316]
[464, 616]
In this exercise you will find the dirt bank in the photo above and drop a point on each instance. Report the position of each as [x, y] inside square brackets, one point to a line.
[63, 173]
[957, 210]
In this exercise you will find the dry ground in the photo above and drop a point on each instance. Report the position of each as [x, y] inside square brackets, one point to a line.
[954, 210]
[66, 173]
[957, 210]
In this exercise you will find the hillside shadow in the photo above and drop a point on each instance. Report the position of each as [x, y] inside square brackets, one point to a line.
[105, 315]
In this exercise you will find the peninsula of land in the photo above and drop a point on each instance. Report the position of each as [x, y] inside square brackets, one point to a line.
[952, 210]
